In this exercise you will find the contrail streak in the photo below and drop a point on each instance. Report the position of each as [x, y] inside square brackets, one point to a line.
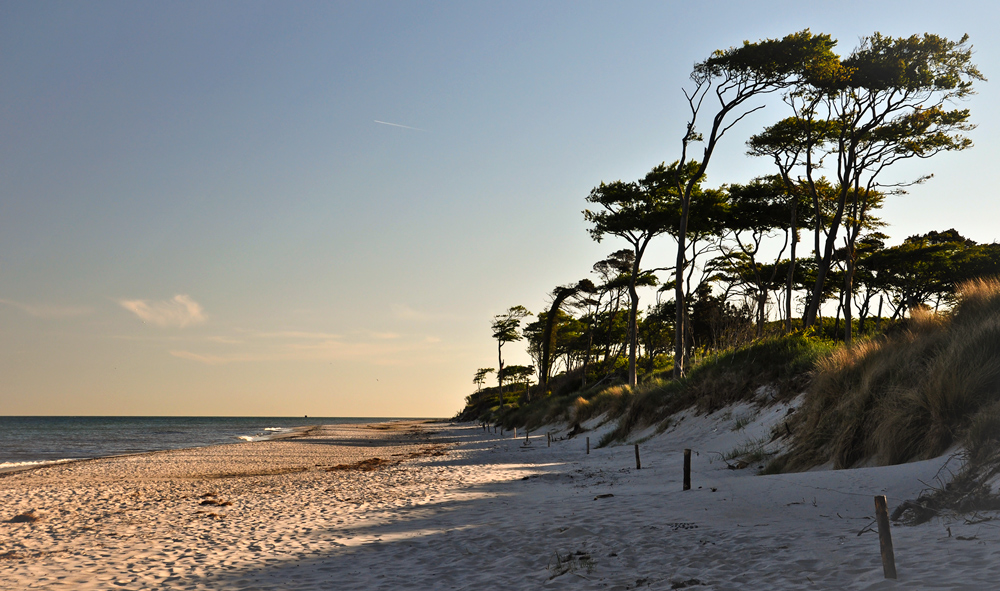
[398, 125]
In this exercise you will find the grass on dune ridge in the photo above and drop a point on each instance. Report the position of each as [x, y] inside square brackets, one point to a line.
[909, 395]
[930, 383]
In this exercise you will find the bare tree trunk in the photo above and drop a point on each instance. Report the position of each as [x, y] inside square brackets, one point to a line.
[679, 333]
[790, 281]
[633, 332]
[761, 303]
[824, 267]
[836, 323]
[848, 289]
[586, 360]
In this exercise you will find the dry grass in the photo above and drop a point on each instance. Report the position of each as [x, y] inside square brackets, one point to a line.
[909, 395]
[782, 364]
[612, 400]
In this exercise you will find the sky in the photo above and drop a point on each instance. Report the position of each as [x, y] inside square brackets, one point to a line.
[285, 209]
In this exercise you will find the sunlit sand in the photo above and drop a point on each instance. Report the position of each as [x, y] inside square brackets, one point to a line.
[438, 506]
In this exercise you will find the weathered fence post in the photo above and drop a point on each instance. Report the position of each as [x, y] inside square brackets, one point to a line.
[885, 538]
[638, 466]
[687, 469]
[515, 432]
[548, 439]
[588, 445]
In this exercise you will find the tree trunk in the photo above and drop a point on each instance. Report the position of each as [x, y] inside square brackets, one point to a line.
[500, 372]
[824, 267]
[848, 290]
[679, 332]
[791, 271]
[761, 303]
[632, 333]
[836, 323]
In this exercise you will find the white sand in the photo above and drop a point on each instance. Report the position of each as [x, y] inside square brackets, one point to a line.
[490, 513]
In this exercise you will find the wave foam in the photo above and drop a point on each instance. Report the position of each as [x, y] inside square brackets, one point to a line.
[8, 466]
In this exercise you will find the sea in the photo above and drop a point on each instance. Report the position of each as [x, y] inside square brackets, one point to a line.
[31, 441]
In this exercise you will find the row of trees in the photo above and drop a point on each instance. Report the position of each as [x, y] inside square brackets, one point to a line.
[885, 102]
[737, 259]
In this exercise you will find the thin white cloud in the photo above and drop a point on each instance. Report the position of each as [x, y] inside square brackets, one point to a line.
[206, 359]
[398, 125]
[377, 348]
[178, 312]
[226, 340]
[405, 312]
[385, 335]
[291, 334]
[47, 310]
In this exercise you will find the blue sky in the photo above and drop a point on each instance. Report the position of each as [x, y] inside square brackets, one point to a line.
[200, 215]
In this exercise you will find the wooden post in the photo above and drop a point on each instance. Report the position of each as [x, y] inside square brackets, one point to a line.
[885, 538]
[515, 432]
[638, 466]
[527, 436]
[548, 439]
[588, 445]
[687, 469]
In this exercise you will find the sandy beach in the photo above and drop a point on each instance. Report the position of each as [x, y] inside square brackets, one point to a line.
[411, 505]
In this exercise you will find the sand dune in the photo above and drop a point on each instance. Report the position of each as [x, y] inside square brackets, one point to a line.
[453, 507]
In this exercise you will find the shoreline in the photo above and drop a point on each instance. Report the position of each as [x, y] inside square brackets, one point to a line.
[417, 505]
[14, 466]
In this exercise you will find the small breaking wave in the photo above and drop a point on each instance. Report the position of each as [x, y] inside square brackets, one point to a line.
[267, 434]
[11, 466]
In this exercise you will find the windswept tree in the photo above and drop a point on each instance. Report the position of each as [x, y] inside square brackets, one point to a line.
[755, 211]
[731, 78]
[886, 102]
[559, 295]
[638, 212]
[507, 328]
[480, 378]
[614, 275]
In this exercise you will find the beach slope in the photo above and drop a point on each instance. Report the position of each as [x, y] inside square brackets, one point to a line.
[412, 505]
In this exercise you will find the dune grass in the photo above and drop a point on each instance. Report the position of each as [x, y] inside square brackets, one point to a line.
[779, 364]
[909, 395]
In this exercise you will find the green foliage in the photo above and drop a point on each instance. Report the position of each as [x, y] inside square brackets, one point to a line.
[885, 102]
[506, 326]
[480, 378]
[927, 268]
[802, 56]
